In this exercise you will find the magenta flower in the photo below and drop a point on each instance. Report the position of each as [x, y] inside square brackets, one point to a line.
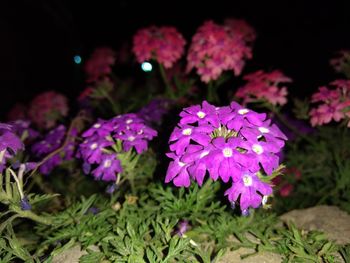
[250, 190]
[230, 143]
[264, 86]
[215, 49]
[163, 44]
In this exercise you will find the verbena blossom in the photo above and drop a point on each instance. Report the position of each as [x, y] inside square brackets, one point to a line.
[100, 63]
[98, 150]
[332, 103]
[47, 108]
[265, 86]
[51, 142]
[10, 144]
[163, 44]
[233, 144]
[217, 48]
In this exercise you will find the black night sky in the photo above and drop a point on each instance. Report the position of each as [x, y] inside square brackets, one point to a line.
[39, 38]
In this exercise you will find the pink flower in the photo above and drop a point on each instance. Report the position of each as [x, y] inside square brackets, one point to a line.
[99, 64]
[163, 44]
[47, 108]
[264, 86]
[333, 103]
[217, 48]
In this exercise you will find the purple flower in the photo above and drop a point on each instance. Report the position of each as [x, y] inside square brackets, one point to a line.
[249, 189]
[10, 144]
[51, 142]
[201, 114]
[230, 143]
[102, 142]
[108, 168]
[185, 133]
[25, 205]
[21, 127]
[182, 228]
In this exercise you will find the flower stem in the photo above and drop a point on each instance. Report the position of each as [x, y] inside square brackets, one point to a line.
[168, 90]
[31, 215]
[212, 95]
[115, 107]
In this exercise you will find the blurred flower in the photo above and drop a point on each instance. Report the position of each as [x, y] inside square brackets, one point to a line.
[333, 103]
[264, 86]
[51, 142]
[154, 111]
[285, 183]
[100, 63]
[163, 44]
[47, 108]
[216, 48]
[341, 63]
[231, 143]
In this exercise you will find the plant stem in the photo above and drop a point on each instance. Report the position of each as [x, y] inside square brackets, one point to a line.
[212, 93]
[115, 107]
[168, 90]
[31, 215]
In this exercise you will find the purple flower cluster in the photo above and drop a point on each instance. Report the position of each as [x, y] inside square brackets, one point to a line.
[10, 144]
[154, 111]
[52, 141]
[23, 130]
[99, 147]
[231, 143]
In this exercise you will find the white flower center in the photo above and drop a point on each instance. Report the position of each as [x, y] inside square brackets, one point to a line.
[264, 130]
[140, 132]
[131, 138]
[93, 146]
[227, 152]
[264, 200]
[203, 154]
[243, 111]
[128, 121]
[107, 163]
[181, 164]
[257, 149]
[187, 131]
[97, 125]
[247, 180]
[200, 114]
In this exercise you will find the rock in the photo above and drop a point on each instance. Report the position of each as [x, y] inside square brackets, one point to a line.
[70, 255]
[334, 222]
[261, 257]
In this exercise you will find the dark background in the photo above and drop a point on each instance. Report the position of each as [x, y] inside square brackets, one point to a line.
[40, 37]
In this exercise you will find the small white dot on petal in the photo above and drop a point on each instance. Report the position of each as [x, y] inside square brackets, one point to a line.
[257, 149]
[187, 131]
[200, 114]
[93, 146]
[97, 125]
[243, 111]
[227, 152]
[247, 180]
[264, 130]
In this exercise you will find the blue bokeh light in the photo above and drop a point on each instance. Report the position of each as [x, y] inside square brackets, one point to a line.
[77, 59]
[146, 66]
